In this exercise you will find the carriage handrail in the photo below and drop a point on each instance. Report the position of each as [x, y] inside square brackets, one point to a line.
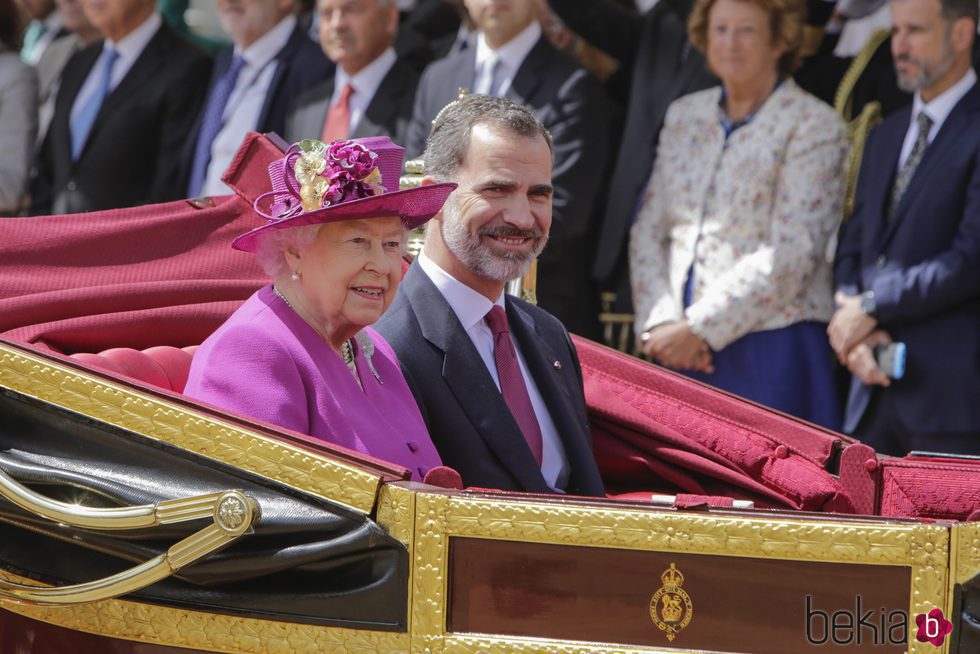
[233, 514]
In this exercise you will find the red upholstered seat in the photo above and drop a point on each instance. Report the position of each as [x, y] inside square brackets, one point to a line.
[162, 366]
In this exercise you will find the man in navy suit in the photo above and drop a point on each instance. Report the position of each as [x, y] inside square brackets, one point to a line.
[497, 378]
[253, 85]
[908, 265]
[513, 59]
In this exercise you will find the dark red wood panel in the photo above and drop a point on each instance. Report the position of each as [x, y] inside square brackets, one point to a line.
[757, 606]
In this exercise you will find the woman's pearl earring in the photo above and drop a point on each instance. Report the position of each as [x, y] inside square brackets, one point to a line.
[294, 277]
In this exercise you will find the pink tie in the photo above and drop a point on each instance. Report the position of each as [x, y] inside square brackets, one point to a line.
[338, 118]
[512, 384]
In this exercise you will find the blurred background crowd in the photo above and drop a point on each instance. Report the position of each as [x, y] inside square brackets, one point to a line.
[706, 156]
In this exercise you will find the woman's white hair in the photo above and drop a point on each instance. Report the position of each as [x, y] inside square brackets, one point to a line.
[270, 248]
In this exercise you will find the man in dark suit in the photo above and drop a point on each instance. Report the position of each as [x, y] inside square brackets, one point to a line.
[908, 265]
[359, 39]
[254, 84]
[497, 378]
[513, 59]
[664, 67]
[123, 111]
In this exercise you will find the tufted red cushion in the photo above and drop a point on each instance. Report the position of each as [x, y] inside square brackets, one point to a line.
[162, 366]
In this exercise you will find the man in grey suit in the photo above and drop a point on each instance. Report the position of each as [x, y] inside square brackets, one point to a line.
[497, 378]
[513, 59]
[372, 91]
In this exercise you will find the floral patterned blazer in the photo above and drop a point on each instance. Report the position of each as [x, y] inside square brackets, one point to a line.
[752, 213]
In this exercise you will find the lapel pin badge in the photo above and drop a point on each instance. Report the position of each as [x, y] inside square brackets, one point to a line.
[557, 365]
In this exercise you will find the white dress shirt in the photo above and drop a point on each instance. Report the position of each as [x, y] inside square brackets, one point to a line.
[365, 84]
[511, 55]
[938, 109]
[246, 101]
[471, 308]
[129, 48]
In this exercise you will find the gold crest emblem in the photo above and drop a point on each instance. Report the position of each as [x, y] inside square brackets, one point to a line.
[671, 608]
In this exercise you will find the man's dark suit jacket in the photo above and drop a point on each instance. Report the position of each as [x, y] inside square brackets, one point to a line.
[468, 420]
[573, 106]
[132, 155]
[924, 268]
[664, 69]
[387, 114]
[301, 65]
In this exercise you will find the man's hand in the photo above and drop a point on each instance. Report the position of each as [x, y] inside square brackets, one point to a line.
[849, 326]
[861, 360]
[676, 346]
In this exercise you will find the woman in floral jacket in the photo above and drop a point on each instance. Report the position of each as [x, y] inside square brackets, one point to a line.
[731, 281]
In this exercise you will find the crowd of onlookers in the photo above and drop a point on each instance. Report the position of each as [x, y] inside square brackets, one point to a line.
[700, 172]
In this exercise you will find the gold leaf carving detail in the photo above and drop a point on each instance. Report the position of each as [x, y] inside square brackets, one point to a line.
[207, 631]
[930, 567]
[668, 531]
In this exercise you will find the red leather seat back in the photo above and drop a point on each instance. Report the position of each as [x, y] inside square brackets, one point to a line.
[162, 366]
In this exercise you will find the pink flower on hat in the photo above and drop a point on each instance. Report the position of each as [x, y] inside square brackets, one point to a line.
[335, 173]
[316, 182]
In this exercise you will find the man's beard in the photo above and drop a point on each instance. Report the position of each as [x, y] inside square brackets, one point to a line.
[481, 258]
[926, 74]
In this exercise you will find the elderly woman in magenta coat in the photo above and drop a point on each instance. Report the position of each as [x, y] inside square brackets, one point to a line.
[731, 282]
[300, 353]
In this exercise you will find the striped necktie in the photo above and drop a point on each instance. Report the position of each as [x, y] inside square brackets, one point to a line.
[908, 168]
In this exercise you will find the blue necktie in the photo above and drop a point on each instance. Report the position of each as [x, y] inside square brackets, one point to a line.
[35, 30]
[211, 123]
[81, 125]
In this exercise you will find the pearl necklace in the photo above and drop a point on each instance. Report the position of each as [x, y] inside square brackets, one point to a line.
[346, 350]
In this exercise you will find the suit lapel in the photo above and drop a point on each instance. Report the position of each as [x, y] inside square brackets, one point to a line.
[464, 76]
[153, 56]
[558, 385]
[540, 357]
[313, 116]
[529, 75]
[888, 148]
[282, 59]
[955, 124]
[469, 381]
[71, 83]
[383, 106]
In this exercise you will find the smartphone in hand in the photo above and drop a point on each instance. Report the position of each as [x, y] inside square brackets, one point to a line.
[891, 359]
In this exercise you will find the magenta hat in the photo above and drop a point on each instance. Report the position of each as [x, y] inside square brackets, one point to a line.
[320, 182]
